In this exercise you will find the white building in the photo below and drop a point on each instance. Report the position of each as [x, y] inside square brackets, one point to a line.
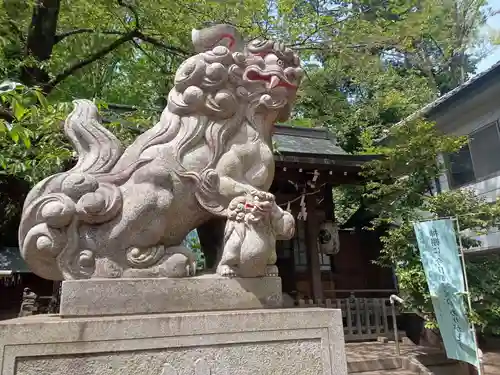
[472, 109]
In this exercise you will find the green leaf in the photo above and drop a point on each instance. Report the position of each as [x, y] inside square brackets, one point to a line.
[19, 110]
[41, 99]
[26, 140]
[14, 134]
[3, 126]
[20, 133]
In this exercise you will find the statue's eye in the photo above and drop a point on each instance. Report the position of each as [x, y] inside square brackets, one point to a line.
[281, 63]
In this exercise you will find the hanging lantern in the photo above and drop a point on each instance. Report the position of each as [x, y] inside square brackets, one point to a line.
[328, 238]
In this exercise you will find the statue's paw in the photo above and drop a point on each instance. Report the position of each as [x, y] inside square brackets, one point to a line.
[106, 268]
[262, 195]
[175, 266]
[226, 271]
[268, 196]
[272, 271]
[191, 269]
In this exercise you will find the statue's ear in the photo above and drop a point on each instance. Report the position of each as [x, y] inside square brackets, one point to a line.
[218, 35]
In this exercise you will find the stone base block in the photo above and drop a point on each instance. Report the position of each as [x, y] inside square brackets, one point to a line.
[265, 342]
[101, 297]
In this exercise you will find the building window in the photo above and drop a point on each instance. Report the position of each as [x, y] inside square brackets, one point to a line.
[485, 150]
[461, 171]
[478, 159]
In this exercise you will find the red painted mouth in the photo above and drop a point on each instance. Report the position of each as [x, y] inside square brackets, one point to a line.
[272, 80]
[250, 206]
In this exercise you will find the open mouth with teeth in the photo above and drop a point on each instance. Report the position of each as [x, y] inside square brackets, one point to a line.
[272, 79]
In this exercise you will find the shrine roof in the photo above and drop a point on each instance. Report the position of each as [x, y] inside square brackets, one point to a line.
[300, 140]
[454, 99]
[313, 146]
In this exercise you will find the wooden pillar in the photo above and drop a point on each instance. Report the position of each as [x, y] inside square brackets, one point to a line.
[312, 230]
[329, 207]
[328, 203]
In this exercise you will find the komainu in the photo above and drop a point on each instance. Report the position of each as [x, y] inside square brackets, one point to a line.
[124, 213]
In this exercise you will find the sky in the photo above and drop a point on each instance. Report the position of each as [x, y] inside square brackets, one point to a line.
[493, 22]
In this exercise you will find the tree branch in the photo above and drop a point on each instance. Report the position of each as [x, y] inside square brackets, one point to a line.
[60, 37]
[156, 62]
[125, 37]
[326, 47]
[132, 108]
[89, 60]
[158, 43]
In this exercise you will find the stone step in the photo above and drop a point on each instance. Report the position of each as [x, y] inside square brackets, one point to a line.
[435, 359]
[389, 363]
[387, 338]
[398, 371]
[450, 369]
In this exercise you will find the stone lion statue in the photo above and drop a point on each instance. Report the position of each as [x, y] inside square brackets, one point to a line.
[124, 213]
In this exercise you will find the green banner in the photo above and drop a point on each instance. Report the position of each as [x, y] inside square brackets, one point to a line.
[439, 252]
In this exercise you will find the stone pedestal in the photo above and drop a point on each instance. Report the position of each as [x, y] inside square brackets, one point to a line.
[102, 297]
[265, 342]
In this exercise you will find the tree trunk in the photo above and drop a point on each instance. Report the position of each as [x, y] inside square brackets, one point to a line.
[40, 41]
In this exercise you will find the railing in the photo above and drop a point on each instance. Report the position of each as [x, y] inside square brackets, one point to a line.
[363, 318]
[365, 293]
[393, 299]
[33, 304]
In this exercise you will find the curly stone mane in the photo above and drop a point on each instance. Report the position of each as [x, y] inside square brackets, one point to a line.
[205, 104]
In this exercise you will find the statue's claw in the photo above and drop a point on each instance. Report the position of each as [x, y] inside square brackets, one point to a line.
[262, 195]
[272, 271]
[226, 271]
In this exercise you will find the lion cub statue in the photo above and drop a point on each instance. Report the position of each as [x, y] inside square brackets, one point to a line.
[252, 228]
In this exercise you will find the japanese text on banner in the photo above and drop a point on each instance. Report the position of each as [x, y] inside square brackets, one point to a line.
[440, 257]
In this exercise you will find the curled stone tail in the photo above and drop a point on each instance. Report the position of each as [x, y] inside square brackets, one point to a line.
[49, 235]
[98, 149]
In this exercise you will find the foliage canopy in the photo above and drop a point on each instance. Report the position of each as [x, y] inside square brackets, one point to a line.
[369, 64]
